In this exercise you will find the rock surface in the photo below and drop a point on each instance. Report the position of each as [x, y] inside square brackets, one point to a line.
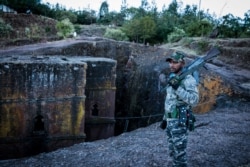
[221, 140]
[138, 68]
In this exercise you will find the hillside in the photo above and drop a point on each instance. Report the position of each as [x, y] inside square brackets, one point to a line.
[27, 29]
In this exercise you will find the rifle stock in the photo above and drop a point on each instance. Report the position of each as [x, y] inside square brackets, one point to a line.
[211, 54]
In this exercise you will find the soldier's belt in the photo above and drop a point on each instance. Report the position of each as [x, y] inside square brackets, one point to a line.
[176, 112]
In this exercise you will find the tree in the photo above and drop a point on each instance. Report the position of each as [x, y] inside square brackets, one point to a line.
[42, 9]
[173, 8]
[163, 28]
[124, 5]
[132, 29]
[21, 6]
[140, 29]
[166, 22]
[103, 13]
[153, 11]
[190, 13]
[171, 14]
[246, 25]
[148, 28]
[65, 14]
[198, 28]
[230, 26]
[144, 5]
[132, 13]
[115, 18]
[86, 17]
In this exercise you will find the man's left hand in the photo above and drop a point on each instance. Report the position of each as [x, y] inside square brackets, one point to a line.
[163, 124]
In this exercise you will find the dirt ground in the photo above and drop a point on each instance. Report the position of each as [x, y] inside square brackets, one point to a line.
[222, 141]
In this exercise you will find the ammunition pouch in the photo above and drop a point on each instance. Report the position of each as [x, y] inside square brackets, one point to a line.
[182, 115]
[186, 117]
[191, 120]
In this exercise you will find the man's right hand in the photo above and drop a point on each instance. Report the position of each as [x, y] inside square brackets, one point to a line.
[163, 124]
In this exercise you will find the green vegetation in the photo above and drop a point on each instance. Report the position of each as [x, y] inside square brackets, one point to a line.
[65, 28]
[145, 24]
[140, 29]
[115, 34]
[77, 28]
[5, 29]
[202, 46]
[176, 35]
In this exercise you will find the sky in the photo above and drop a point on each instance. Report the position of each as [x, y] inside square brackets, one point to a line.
[218, 7]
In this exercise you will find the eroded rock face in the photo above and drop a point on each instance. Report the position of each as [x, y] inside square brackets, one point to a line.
[42, 101]
[138, 68]
[210, 88]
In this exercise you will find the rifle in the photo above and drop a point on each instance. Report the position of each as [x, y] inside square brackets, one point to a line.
[195, 65]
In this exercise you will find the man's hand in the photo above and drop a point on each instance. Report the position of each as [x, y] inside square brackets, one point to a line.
[174, 82]
[163, 124]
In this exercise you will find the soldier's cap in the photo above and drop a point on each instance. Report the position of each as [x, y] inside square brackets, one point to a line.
[176, 56]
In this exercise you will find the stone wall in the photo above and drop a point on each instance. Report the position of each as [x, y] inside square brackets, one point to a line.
[100, 98]
[50, 102]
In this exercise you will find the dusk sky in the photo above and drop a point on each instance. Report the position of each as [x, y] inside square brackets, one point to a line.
[217, 7]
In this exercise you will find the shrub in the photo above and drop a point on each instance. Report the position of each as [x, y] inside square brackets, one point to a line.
[176, 35]
[202, 46]
[35, 30]
[65, 28]
[186, 41]
[115, 34]
[5, 29]
[47, 29]
[78, 28]
[27, 32]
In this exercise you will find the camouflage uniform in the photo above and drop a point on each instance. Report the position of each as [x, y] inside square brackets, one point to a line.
[186, 96]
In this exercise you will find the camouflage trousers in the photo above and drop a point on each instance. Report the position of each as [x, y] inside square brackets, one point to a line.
[177, 142]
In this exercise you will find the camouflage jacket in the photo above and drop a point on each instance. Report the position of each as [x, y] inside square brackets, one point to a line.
[186, 94]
